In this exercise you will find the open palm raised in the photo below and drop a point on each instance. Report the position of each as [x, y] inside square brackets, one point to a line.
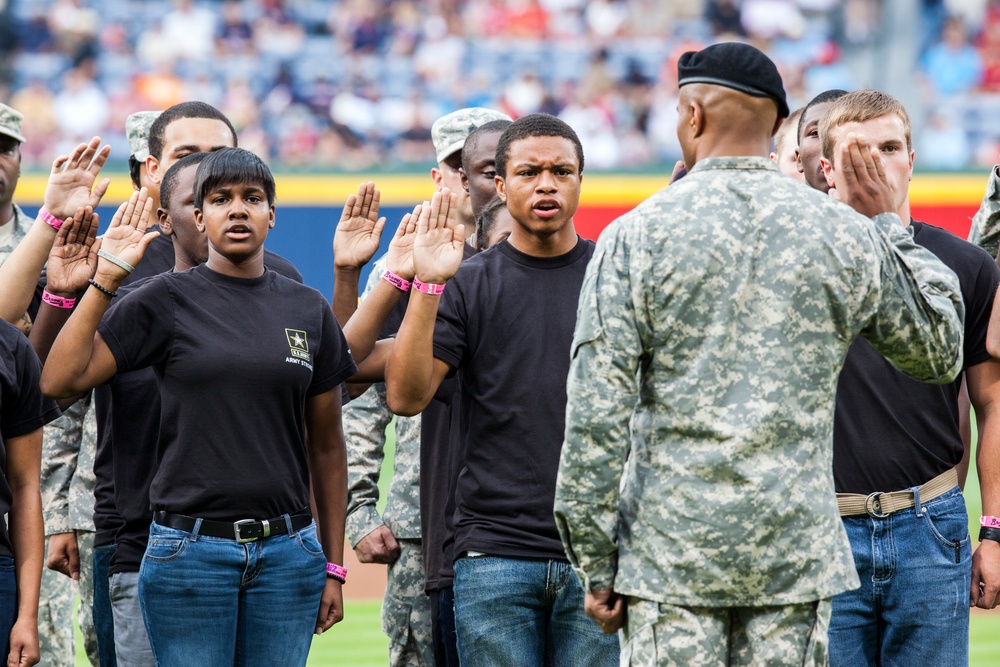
[440, 242]
[356, 239]
[126, 238]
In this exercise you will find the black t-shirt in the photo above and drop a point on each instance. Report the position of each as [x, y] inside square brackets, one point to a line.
[506, 324]
[892, 432]
[236, 359]
[23, 409]
[127, 455]
[440, 463]
[144, 411]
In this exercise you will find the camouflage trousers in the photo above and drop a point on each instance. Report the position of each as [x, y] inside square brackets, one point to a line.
[406, 610]
[663, 634]
[55, 610]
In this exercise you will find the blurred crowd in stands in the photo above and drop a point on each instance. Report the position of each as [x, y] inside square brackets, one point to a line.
[356, 84]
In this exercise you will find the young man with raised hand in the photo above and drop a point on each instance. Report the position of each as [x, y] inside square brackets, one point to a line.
[503, 324]
[409, 617]
[695, 496]
[897, 446]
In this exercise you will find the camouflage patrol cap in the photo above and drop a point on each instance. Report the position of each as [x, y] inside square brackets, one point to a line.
[137, 130]
[10, 122]
[449, 132]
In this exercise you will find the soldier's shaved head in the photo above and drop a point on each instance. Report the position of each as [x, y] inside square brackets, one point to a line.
[715, 121]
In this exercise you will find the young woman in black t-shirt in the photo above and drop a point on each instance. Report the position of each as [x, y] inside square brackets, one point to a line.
[248, 363]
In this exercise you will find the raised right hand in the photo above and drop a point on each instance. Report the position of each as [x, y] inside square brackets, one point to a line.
[126, 238]
[356, 239]
[71, 181]
[73, 258]
[440, 243]
[399, 259]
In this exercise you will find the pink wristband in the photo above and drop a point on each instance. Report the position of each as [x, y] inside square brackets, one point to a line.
[427, 288]
[51, 220]
[337, 572]
[399, 282]
[989, 521]
[57, 301]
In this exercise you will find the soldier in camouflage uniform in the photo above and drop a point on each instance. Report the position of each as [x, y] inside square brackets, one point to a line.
[14, 223]
[68, 510]
[695, 486]
[395, 536]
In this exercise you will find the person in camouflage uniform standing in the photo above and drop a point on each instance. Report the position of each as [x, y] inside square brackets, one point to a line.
[14, 223]
[68, 509]
[695, 487]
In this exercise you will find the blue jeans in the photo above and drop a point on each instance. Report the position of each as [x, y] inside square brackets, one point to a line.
[104, 622]
[8, 603]
[525, 612]
[443, 627]
[213, 601]
[912, 608]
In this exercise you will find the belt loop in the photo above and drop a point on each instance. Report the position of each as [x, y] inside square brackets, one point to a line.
[197, 527]
[917, 507]
[288, 523]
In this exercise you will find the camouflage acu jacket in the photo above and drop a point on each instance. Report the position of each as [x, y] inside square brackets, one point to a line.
[713, 323]
[365, 420]
[985, 230]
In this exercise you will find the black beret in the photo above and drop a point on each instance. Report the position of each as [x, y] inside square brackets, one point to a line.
[734, 65]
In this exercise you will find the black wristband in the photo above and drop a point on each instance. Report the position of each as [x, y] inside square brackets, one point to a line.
[102, 289]
[989, 534]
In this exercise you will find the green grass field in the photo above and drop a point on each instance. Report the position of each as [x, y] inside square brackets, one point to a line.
[358, 641]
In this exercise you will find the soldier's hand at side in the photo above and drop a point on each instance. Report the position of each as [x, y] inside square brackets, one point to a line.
[378, 546]
[985, 592]
[607, 608]
[357, 237]
[71, 180]
[862, 183]
[440, 243]
[73, 258]
[64, 555]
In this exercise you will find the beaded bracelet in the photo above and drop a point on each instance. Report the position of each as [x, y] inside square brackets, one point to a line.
[116, 260]
[57, 301]
[49, 219]
[427, 288]
[102, 289]
[397, 281]
[337, 572]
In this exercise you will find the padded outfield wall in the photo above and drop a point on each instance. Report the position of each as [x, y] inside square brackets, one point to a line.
[309, 207]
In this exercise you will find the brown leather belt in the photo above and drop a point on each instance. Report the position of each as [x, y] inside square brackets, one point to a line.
[879, 505]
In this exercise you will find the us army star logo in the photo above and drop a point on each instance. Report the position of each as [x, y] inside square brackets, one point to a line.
[298, 343]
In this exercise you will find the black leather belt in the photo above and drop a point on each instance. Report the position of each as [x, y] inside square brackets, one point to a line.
[244, 530]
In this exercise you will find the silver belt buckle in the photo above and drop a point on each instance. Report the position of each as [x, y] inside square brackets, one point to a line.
[873, 506]
[236, 531]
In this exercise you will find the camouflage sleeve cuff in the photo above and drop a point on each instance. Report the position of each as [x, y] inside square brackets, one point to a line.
[360, 522]
[56, 522]
[599, 575]
[889, 224]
